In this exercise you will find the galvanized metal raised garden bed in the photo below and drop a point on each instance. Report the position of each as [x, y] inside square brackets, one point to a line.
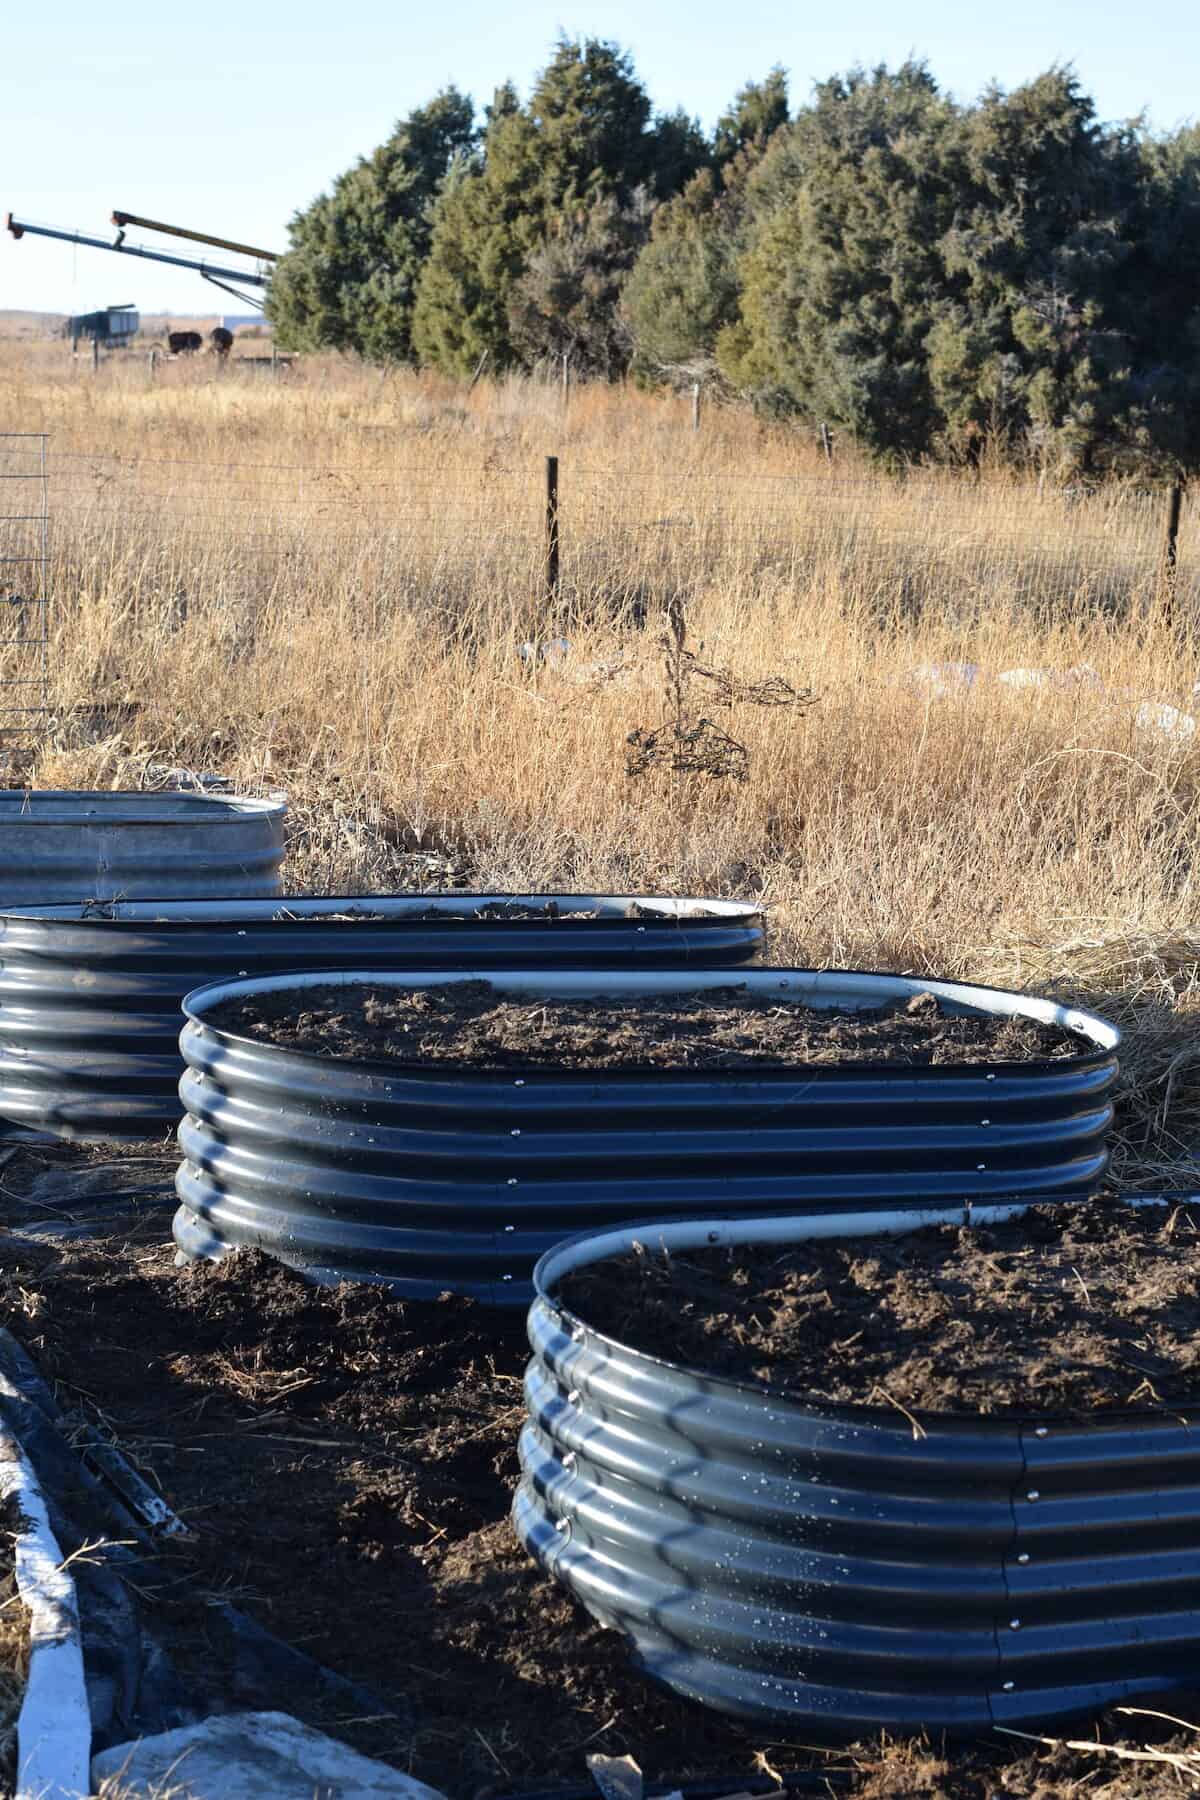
[824, 1568]
[85, 845]
[432, 1177]
[90, 996]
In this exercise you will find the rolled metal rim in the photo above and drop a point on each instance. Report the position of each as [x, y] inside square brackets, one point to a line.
[829, 990]
[584, 1248]
[178, 915]
[126, 807]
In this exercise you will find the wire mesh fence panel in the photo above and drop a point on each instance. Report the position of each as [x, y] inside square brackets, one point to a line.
[24, 622]
[182, 536]
[897, 544]
[451, 537]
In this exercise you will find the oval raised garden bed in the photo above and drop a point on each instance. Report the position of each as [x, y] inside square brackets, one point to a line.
[64, 845]
[90, 995]
[805, 1565]
[432, 1173]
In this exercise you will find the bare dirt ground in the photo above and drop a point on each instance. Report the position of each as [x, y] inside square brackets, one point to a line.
[344, 1464]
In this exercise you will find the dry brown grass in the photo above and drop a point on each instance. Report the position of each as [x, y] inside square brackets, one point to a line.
[322, 583]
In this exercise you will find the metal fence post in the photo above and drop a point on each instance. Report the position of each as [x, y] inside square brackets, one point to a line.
[95, 354]
[552, 545]
[695, 406]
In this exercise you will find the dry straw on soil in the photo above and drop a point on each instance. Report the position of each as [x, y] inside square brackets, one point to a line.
[323, 583]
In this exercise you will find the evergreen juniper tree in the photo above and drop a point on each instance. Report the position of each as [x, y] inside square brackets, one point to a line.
[841, 277]
[683, 289]
[586, 136]
[349, 280]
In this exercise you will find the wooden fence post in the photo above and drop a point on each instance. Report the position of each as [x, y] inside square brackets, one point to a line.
[552, 544]
[826, 442]
[95, 354]
[566, 378]
[695, 406]
[1170, 569]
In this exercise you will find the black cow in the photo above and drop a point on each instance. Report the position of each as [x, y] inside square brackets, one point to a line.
[184, 343]
[220, 341]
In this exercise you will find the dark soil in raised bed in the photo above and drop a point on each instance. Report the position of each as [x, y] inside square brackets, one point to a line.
[345, 1463]
[473, 1024]
[1065, 1310]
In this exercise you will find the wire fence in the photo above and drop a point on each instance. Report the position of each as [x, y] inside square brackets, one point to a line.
[674, 528]
[24, 594]
[451, 534]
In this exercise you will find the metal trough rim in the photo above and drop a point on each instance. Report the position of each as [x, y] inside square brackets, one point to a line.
[180, 914]
[803, 986]
[128, 806]
[718, 1232]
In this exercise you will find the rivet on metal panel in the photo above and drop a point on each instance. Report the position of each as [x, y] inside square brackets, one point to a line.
[510, 1228]
[1033, 1494]
[1024, 1557]
[714, 1237]
[506, 1278]
[1009, 1686]
[515, 1132]
[981, 1165]
[1014, 1624]
[511, 1182]
[520, 1081]
[989, 1078]
[985, 1121]
[1041, 1431]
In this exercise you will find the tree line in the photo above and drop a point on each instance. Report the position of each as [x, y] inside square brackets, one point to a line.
[930, 278]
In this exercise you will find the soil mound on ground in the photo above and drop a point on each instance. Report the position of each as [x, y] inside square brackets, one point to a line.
[1066, 1310]
[473, 1024]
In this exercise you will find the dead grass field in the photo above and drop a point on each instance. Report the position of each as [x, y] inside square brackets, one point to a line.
[322, 583]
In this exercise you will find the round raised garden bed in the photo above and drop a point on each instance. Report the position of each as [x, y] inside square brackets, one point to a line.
[63, 845]
[432, 1173]
[811, 1566]
[90, 995]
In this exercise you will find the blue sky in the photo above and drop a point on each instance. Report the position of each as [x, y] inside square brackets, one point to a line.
[228, 119]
